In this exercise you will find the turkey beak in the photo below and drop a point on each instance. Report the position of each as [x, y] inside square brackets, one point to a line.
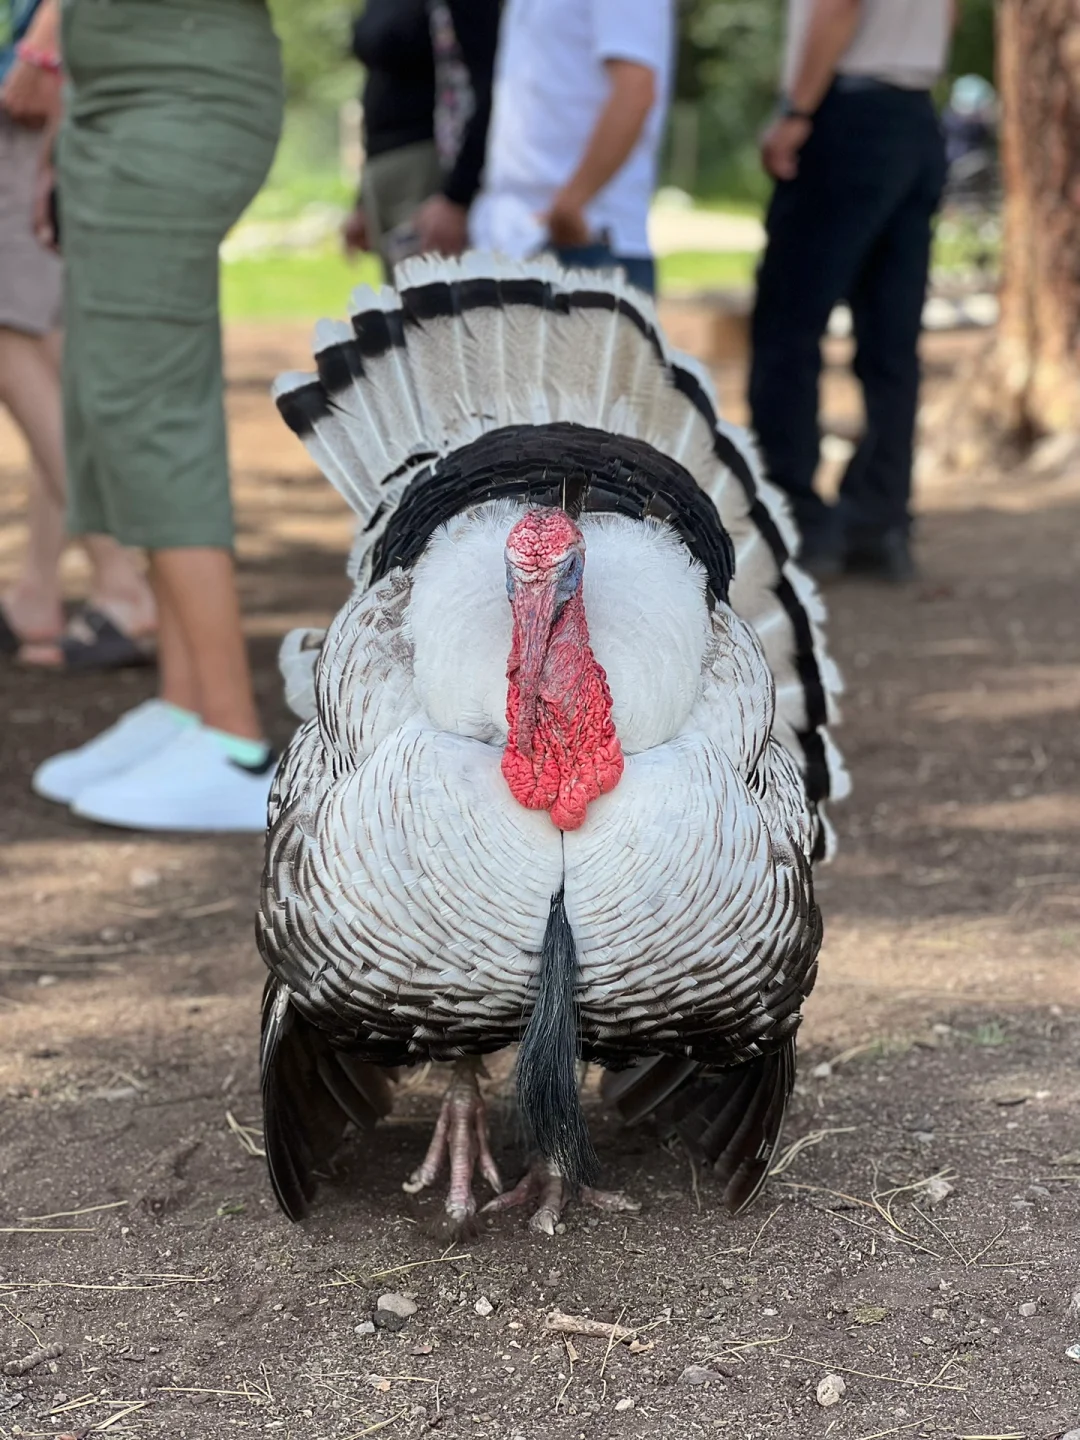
[534, 613]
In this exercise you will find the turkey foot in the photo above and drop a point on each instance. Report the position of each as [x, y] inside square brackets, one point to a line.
[544, 1180]
[461, 1132]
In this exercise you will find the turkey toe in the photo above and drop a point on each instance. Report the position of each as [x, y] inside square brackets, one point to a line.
[461, 1133]
[543, 1181]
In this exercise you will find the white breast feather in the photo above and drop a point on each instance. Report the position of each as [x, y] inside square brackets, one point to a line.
[645, 604]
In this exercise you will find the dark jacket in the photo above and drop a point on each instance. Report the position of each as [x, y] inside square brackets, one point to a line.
[392, 40]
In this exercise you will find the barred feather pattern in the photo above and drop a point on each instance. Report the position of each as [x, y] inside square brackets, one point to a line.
[406, 893]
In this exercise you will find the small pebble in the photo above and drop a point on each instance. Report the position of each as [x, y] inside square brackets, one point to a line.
[697, 1375]
[366, 1327]
[822, 1071]
[1073, 1353]
[393, 1310]
[1028, 1308]
[830, 1389]
[1071, 1435]
[143, 879]
[482, 1307]
[936, 1190]
[626, 1404]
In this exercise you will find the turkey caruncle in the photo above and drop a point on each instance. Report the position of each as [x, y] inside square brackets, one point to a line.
[564, 750]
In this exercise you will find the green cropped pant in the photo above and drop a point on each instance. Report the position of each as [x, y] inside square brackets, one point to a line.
[171, 124]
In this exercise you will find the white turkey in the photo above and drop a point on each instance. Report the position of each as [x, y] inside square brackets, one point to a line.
[564, 750]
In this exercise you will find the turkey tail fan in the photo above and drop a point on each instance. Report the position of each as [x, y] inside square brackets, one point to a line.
[310, 1093]
[732, 1121]
[425, 404]
[547, 1084]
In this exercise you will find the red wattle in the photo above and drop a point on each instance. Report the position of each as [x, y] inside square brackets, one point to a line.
[576, 756]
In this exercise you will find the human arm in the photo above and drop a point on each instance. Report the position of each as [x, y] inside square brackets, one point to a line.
[617, 130]
[441, 222]
[355, 231]
[830, 31]
[31, 90]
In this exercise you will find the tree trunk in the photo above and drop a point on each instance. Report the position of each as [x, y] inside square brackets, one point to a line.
[1039, 333]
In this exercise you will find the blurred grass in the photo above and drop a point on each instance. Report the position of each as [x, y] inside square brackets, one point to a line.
[308, 285]
[305, 286]
[706, 270]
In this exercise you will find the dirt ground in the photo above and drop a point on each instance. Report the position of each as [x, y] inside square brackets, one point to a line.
[139, 1232]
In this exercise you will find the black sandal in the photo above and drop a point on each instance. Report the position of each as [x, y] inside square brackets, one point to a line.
[94, 642]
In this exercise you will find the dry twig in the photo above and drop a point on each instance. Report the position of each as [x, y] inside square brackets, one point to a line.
[804, 1142]
[830, 1365]
[580, 1325]
[764, 1227]
[72, 1214]
[611, 1341]
[248, 1135]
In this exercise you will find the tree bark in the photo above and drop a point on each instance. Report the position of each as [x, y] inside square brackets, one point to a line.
[1039, 333]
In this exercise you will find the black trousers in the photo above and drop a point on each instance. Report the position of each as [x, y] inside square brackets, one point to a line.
[853, 225]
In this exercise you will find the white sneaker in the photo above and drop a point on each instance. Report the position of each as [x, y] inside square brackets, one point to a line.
[190, 784]
[135, 736]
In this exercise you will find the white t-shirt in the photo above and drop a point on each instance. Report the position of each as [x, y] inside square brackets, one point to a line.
[550, 87]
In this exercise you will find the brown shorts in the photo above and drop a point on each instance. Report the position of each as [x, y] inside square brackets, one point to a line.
[29, 275]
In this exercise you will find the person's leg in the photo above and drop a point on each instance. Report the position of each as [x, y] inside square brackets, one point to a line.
[118, 587]
[887, 312]
[30, 388]
[204, 661]
[820, 227]
[142, 242]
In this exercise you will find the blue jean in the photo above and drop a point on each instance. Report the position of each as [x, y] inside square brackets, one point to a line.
[853, 225]
[640, 269]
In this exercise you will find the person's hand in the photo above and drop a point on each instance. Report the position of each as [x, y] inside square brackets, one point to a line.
[780, 146]
[355, 235]
[566, 221]
[42, 213]
[30, 95]
[442, 226]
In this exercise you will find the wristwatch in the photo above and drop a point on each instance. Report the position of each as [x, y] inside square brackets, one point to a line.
[787, 111]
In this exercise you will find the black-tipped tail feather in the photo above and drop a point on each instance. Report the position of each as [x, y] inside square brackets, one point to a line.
[310, 1094]
[731, 1120]
[547, 1085]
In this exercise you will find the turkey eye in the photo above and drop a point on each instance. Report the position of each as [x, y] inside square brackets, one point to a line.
[570, 579]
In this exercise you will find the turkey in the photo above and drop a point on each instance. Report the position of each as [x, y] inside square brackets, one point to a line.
[564, 752]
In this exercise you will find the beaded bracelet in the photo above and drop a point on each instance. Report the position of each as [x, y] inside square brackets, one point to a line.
[41, 59]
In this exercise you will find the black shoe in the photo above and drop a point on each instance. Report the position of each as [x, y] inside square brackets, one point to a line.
[884, 556]
[823, 562]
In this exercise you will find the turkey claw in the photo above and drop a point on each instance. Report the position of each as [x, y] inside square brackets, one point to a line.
[544, 1180]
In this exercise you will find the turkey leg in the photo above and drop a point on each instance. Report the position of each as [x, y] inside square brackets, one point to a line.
[461, 1132]
[545, 1181]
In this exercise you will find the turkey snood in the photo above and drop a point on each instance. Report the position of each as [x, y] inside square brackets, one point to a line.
[562, 751]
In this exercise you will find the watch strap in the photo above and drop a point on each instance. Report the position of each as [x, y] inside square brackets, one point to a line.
[790, 111]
